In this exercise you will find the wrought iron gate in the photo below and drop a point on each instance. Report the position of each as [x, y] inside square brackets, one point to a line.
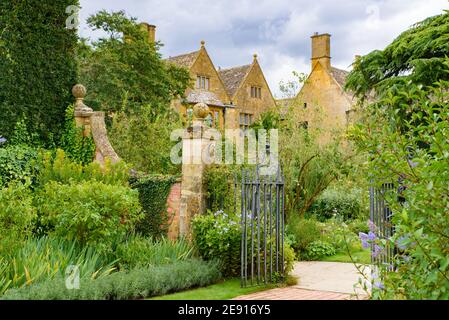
[262, 218]
[381, 226]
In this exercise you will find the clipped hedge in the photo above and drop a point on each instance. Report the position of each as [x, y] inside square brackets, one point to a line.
[37, 65]
[136, 284]
[153, 194]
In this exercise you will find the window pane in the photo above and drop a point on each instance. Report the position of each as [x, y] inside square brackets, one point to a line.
[207, 84]
[202, 83]
[198, 82]
[241, 118]
[260, 93]
[246, 119]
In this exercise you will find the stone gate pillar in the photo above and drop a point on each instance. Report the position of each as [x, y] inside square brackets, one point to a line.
[193, 194]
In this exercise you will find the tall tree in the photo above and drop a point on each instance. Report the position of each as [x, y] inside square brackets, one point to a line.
[37, 65]
[123, 71]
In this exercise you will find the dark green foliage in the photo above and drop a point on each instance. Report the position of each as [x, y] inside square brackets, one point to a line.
[127, 73]
[318, 249]
[417, 56]
[217, 237]
[17, 163]
[153, 194]
[77, 147]
[90, 212]
[301, 232]
[345, 204]
[218, 181]
[37, 65]
[135, 284]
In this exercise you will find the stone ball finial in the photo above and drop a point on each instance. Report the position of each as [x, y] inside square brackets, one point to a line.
[79, 91]
[200, 110]
[203, 43]
[255, 56]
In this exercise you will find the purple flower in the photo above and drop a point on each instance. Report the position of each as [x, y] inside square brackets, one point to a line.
[364, 238]
[402, 243]
[372, 227]
[379, 285]
[371, 236]
[2, 140]
[377, 250]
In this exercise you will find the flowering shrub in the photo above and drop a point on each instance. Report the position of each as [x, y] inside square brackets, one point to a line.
[217, 237]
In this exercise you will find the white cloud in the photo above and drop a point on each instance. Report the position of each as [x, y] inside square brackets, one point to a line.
[279, 31]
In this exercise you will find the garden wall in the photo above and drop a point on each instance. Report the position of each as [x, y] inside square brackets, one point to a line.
[173, 206]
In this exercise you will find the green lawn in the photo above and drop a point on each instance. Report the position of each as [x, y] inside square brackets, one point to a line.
[225, 290]
[362, 256]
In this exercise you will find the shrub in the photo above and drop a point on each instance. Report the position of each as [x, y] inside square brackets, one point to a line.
[17, 163]
[334, 202]
[135, 284]
[61, 169]
[217, 237]
[16, 211]
[319, 249]
[153, 194]
[219, 192]
[339, 235]
[302, 232]
[90, 212]
[143, 252]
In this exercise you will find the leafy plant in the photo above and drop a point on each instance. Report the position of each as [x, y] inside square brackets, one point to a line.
[18, 163]
[143, 252]
[153, 192]
[334, 202]
[217, 237]
[16, 211]
[90, 212]
[302, 232]
[77, 147]
[318, 249]
[61, 169]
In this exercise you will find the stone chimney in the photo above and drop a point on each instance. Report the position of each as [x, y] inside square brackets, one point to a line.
[151, 29]
[321, 50]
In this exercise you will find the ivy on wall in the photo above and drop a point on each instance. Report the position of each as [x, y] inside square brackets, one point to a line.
[77, 147]
[37, 65]
[153, 194]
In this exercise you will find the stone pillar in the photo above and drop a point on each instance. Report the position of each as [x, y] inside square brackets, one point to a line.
[193, 195]
[82, 112]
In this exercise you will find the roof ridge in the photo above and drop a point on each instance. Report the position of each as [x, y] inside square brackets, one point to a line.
[236, 67]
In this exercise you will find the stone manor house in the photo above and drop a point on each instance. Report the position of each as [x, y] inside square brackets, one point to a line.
[235, 96]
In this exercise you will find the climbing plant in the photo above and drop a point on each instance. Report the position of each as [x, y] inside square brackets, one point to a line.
[77, 147]
[153, 194]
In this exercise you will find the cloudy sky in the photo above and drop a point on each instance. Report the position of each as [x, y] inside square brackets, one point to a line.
[277, 30]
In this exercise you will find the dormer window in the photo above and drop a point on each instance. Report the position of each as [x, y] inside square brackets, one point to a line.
[256, 92]
[202, 82]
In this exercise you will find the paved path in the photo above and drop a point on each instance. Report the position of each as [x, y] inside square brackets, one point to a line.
[318, 281]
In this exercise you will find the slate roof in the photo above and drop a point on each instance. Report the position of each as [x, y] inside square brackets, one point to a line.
[204, 96]
[340, 76]
[233, 77]
[185, 60]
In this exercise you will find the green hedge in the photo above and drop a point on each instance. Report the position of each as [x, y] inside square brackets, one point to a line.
[346, 204]
[37, 65]
[136, 284]
[153, 194]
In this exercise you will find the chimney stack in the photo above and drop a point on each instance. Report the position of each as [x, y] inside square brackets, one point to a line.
[151, 29]
[321, 50]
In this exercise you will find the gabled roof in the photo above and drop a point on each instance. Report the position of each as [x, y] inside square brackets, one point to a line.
[185, 60]
[233, 77]
[340, 76]
[207, 97]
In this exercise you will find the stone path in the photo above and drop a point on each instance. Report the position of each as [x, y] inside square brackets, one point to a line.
[318, 281]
